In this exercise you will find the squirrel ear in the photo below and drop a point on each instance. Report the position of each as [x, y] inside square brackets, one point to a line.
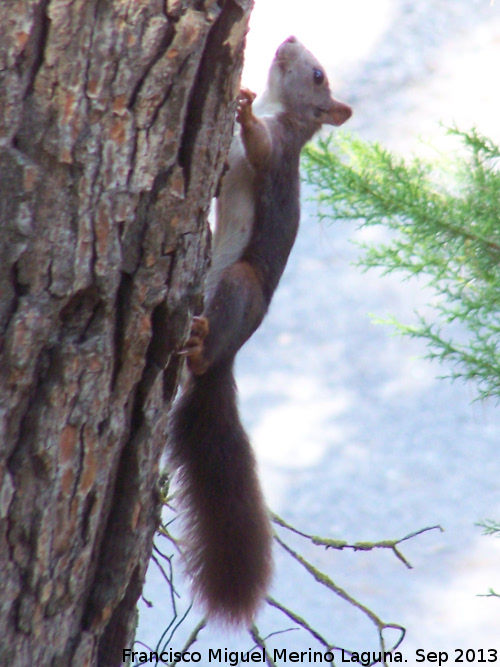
[336, 113]
[288, 51]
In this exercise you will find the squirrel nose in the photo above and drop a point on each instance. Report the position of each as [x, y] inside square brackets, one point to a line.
[336, 113]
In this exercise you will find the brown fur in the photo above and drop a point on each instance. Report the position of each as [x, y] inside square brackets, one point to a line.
[228, 535]
[227, 541]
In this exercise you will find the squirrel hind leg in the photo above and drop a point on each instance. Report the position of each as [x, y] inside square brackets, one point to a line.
[233, 312]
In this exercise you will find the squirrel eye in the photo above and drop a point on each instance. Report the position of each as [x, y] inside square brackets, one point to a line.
[318, 76]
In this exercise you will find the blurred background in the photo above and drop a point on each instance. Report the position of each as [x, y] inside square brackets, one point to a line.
[355, 436]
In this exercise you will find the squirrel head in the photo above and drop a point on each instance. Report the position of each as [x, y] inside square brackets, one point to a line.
[298, 84]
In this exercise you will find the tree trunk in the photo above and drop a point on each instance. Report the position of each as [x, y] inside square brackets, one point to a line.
[115, 119]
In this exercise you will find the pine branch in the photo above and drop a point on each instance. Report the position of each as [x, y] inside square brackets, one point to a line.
[444, 224]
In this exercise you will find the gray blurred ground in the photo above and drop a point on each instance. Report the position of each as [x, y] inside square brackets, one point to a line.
[355, 436]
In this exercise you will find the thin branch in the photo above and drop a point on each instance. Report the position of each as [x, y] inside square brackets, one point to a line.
[254, 633]
[325, 580]
[302, 622]
[329, 543]
[193, 637]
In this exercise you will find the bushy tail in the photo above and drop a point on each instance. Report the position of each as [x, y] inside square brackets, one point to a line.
[228, 536]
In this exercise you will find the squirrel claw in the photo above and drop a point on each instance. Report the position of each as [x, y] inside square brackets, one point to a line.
[199, 327]
[247, 95]
[244, 108]
[194, 347]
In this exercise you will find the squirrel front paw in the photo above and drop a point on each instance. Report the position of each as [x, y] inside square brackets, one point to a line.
[244, 111]
[194, 348]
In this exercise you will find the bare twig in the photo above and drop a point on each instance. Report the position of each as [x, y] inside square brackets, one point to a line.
[325, 580]
[330, 543]
[254, 633]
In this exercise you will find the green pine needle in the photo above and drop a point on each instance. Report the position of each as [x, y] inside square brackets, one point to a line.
[443, 219]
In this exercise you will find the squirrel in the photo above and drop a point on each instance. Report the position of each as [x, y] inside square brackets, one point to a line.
[228, 535]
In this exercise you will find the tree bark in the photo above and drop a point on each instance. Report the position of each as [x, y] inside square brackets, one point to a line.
[115, 119]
